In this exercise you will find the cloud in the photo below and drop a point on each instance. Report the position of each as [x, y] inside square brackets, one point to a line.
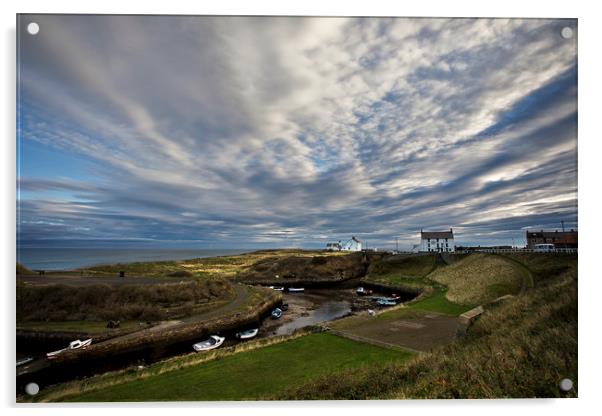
[275, 130]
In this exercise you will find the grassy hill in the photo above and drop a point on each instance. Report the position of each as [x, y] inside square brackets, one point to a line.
[481, 278]
[402, 270]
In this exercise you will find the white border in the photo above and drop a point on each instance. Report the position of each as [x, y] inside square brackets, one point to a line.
[590, 22]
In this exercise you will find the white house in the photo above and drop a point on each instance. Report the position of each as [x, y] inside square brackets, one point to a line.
[437, 241]
[352, 245]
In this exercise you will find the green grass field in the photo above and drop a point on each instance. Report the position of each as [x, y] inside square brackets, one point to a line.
[253, 374]
[438, 302]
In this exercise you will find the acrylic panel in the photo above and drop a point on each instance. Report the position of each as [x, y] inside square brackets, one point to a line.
[295, 208]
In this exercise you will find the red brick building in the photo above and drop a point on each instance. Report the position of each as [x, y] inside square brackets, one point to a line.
[560, 239]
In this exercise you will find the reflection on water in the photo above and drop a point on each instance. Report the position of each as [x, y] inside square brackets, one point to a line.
[328, 310]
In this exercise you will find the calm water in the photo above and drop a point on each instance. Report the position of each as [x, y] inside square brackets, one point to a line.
[73, 258]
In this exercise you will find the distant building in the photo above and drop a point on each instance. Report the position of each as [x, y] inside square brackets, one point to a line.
[560, 239]
[334, 246]
[437, 241]
[352, 244]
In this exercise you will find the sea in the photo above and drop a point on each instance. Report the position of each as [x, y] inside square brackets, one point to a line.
[75, 258]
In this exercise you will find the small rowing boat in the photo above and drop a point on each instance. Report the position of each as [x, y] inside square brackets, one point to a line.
[278, 288]
[73, 345]
[363, 292]
[213, 342]
[249, 333]
[386, 302]
[276, 313]
[296, 289]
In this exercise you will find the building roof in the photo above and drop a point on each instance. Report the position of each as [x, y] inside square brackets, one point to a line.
[437, 234]
[549, 234]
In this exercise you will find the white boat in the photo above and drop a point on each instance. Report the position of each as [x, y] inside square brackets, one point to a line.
[249, 333]
[214, 341]
[73, 345]
[386, 302]
[276, 313]
[278, 288]
[363, 292]
[296, 289]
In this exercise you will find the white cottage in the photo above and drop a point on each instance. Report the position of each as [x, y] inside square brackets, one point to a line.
[352, 245]
[437, 241]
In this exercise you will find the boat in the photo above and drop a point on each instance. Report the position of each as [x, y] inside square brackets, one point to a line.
[386, 302]
[73, 345]
[249, 333]
[213, 342]
[276, 313]
[284, 307]
[296, 289]
[23, 361]
[363, 292]
[278, 288]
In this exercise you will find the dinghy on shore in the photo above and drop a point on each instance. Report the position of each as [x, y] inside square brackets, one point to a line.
[73, 345]
[249, 333]
[213, 342]
[278, 288]
[276, 313]
[296, 289]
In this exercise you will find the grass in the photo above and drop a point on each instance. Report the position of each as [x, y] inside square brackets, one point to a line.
[211, 267]
[481, 278]
[438, 302]
[90, 327]
[253, 374]
[521, 347]
[402, 270]
[23, 270]
[123, 303]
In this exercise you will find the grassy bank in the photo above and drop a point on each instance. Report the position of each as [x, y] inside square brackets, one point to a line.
[223, 266]
[480, 278]
[402, 270]
[89, 327]
[521, 347]
[252, 374]
[56, 303]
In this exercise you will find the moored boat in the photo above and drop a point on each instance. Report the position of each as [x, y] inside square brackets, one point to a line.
[278, 288]
[296, 289]
[385, 302]
[249, 333]
[73, 345]
[276, 313]
[361, 291]
[213, 342]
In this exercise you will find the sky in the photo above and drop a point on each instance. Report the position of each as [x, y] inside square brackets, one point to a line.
[241, 132]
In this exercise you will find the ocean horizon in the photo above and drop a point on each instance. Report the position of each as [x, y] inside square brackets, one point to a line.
[66, 258]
